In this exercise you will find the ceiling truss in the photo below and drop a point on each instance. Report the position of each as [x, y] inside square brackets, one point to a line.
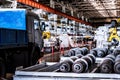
[86, 9]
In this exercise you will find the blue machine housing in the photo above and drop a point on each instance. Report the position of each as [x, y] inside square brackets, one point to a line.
[12, 27]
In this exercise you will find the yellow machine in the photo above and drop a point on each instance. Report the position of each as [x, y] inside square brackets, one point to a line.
[113, 32]
[46, 34]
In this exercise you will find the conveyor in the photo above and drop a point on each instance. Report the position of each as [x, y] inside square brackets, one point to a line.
[50, 71]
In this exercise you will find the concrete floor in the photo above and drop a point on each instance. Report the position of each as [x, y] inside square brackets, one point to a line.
[55, 56]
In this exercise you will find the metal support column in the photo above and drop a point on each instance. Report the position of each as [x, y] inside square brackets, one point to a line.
[14, 4]
[52, 4]
[55, 24]
[72, 12]
[63, 9]
[78, 15]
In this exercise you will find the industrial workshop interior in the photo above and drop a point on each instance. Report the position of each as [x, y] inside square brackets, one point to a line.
[59, 39]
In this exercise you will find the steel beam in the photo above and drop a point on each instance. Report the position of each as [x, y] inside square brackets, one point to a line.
[51, 10]
[99, 9]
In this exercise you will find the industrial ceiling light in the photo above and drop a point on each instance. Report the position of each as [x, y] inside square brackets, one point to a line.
[105, 8]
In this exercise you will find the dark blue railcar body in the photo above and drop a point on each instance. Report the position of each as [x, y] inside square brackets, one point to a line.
[20, 40]
[12, 28]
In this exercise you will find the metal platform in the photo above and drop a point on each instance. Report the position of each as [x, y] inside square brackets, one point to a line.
[50, 71]
[21, 75]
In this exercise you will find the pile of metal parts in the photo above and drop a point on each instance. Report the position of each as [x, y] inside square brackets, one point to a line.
[98, 63]
[77, 64]
[81, 59]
